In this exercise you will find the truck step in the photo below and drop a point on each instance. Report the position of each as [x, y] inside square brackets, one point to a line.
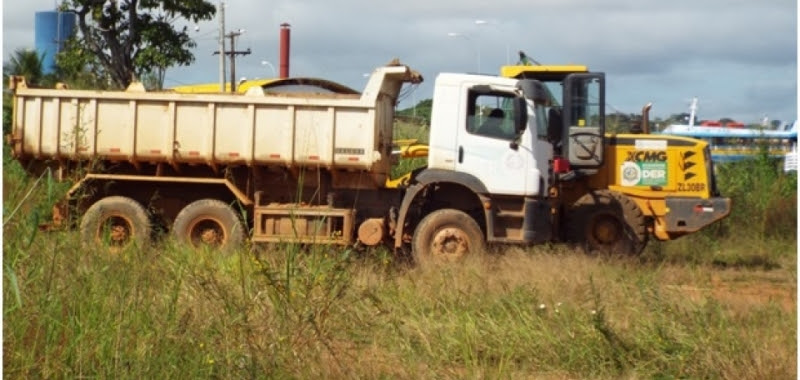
[510, 214]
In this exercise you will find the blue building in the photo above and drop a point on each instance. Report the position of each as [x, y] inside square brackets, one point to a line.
[52, 29]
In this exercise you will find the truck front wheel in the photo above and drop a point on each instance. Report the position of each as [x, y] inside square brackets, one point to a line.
[209, 222]
[446, 236]
[607, 222]
[115, 222]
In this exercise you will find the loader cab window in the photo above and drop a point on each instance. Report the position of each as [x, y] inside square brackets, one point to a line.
[491, 115]
[584, 114]
[585, 102]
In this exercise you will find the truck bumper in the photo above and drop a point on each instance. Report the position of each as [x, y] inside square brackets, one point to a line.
[686, 215]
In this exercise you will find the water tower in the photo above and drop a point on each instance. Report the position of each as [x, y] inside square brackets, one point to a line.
[52, 29]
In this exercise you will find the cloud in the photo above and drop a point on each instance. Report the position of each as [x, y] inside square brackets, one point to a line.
[731, 53]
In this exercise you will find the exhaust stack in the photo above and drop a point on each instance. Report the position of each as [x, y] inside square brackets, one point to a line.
[284, 50]
[646, 118]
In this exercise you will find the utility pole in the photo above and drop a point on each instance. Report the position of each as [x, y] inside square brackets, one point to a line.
[233, 53]
[221, 50]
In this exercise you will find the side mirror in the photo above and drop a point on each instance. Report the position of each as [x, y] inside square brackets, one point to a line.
[520, 115]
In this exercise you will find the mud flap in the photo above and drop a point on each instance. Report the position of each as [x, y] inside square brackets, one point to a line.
[537, 227]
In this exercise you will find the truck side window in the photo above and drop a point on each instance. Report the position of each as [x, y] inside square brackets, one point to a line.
[491, 115]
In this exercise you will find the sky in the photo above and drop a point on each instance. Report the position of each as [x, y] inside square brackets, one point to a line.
[739, 58]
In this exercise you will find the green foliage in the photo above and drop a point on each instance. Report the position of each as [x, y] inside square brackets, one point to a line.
[131, 38]
[765, 197]
[27, 63]
[716, 304]
[419, 113]
[760, 232]
[296, 311]
[79, 67]
[8, 108]
[619, 122]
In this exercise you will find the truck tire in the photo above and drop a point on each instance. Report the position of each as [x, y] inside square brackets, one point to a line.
[607, 222]
[116, 222]
[211, 223]
[446, 236]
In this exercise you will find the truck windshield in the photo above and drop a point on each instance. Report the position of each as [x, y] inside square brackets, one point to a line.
[547, 109]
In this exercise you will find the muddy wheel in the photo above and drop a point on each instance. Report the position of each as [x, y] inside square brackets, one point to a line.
[115, 222]
[446, 236]
[209, 223]
[606, 222]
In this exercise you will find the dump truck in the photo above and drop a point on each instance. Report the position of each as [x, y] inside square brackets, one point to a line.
[508, 162]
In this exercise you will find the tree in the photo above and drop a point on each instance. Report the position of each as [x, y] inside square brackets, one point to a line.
[27, 63]
[127, 39]
[79, 67]
[421, 112]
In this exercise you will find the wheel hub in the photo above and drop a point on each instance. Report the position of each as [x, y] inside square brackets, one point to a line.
[450, 244]
[119, 233]
[606, 230]
[209, 236]
[118, 230]
[208, 232]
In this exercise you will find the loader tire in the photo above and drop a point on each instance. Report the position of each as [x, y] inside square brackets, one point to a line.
[115, 222]
[209, 223]
[446, 236]
[607, 222]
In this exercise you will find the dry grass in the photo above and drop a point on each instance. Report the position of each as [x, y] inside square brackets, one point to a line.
[717, 304]
[289, 312]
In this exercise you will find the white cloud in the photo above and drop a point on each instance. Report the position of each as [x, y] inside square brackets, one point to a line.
[738, 56]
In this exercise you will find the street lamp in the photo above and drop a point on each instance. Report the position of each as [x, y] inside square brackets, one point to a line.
[484, 22]
[267, 63]
[475, 45]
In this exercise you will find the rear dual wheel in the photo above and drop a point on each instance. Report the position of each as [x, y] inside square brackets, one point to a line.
[116, 222]
[209, 223]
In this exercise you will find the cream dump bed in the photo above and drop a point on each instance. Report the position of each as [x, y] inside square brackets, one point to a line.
[212, 129]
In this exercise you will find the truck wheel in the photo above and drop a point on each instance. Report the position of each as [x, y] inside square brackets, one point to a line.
[115, 222]
[606, 222]
[446, 236]
[209, 222]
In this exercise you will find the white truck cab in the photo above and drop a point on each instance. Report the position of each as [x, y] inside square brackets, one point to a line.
[497, 148]
[473, 132]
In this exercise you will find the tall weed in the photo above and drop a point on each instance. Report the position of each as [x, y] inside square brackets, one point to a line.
[760, 232]
[687, 309]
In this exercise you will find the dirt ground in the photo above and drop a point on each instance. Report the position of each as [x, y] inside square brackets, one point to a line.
[742, 290]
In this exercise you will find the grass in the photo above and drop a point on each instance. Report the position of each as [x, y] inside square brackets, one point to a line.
[717, 304]
[286, 312]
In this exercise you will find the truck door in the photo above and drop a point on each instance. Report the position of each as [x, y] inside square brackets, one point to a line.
[584, 120]
[484, 139]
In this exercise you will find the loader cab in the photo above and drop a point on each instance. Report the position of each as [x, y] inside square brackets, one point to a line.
[575, 113]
